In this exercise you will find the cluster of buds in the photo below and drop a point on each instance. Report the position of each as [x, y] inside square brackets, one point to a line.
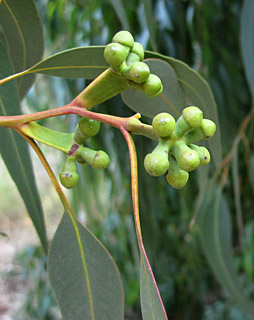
[125, 57]
[86, 129]
[176, 152]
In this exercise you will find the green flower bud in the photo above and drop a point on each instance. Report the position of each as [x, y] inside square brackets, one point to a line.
[89, 127]
[138, 50]
[97, 159]
[69, 176]
[204, 154]
[101, 160]
[163, 124]
[176, 177]
[153, 86]
[69, 179]
[156, 164]
[191, 118]
[115, 54]
[206, 131]
[137, 72]
[86, 129]
[125, 38]
[187, 159]
[208, 127]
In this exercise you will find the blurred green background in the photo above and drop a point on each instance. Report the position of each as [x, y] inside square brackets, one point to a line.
[205, 35]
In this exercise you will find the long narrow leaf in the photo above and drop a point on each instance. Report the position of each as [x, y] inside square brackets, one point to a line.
[24, 34]
[216, 237]
[121, 13]
[15, 152]
[247, 41]
[85, 62]
[150, 21]
[84, 277]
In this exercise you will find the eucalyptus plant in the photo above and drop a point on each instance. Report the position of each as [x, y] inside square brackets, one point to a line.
[83, 275]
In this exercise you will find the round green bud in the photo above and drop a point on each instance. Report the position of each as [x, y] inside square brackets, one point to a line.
[101, 160]
[156, 164]
[69, 179]
[187, 158]
[204, 154]
[163, 124]
[138, 72]
[125, 38]
[115, 54]
[177, 179]
[153, 86]
[139, 50]
[69, 176]
[208, 127]
[193, 116]
[89, 127]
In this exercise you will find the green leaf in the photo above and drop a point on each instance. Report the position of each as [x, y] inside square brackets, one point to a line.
[83, 275]
[150, 22]
[83, 62]
[216, 237]
[151, 303]
[194, 91]
[24, 34]
[247, 41]
[14, 150]
[121, 13]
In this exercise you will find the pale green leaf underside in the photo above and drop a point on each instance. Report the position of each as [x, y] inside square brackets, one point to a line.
[15, 153]
[216, 237]
[24, 35]
[83, 275]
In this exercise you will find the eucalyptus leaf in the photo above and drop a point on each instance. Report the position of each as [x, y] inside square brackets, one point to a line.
[14, 150]
[216, 237]
[24, 34]
[150, 21]
[83, 275]
[121, 13]
[151, 306]
[83, 62]
[247, 41]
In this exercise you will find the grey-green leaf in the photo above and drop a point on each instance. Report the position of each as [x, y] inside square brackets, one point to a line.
[83, 62]
[24, 34]
[194, 91]
[121, 13]
[150, 21]
[83, 275]
[247, 41]
[14, 150]
[216, 237]
[151, 306]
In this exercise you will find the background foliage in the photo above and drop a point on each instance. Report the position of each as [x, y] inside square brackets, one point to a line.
[207, 35]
